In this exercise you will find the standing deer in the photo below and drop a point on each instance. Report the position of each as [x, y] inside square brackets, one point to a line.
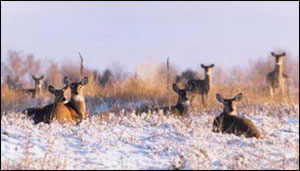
[182, 106]
[276, 80]
[37, 91]
[229, 122]
[202, 87]
[77, 101]
[57, 110]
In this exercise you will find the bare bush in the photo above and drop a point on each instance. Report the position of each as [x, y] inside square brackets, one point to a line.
[53, 75]
[72, 70]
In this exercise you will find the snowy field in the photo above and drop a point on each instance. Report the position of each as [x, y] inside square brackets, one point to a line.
[152, 142]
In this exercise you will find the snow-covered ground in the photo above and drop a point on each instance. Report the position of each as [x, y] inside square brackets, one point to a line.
[152, 141]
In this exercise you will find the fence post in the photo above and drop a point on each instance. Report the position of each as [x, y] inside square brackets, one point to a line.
[168, 82]
[81, 66]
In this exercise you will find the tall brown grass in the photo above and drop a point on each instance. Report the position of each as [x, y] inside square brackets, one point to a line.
[149, 80]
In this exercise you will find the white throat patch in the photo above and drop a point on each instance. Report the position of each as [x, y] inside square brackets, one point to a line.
[233, 113]
[78, 98]
[187, 102]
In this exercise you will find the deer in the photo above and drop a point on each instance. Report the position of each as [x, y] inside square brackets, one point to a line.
[229, 122]
[77, 101]
[180, 109]
[56, 110]
[276, 80]
[202, 87]
[37, 91]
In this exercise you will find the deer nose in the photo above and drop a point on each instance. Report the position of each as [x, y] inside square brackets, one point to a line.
[65, 100]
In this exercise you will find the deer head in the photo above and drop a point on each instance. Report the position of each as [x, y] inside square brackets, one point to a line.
[207, 68]
[182, 97]
[76, 87]
[38, 81]
[59, 94]
[230, 105]
[278, 57]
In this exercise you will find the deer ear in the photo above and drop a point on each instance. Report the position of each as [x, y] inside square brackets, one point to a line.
[238, 97]
[42, 77]
[33, 77]
[202, 66]
[52, 89]
[67, 80]
[219, 98]
[283, 54]
[84, 81]
[273, 54]
[212, 65]
[175, 87]
[65, 87]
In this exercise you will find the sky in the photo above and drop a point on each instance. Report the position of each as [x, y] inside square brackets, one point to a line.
[128, 33]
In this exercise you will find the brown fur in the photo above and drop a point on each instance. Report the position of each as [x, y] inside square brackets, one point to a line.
[58, 110]
[77, 101]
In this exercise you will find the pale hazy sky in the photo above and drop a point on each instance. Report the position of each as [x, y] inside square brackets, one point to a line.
[190, 33]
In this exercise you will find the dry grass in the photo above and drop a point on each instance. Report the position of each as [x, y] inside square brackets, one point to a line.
[149, 82]
[11, 98]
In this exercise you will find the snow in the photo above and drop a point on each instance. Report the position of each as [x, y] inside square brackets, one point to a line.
[154, 141]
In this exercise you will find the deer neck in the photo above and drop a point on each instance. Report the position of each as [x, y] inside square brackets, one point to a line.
[233, 113]
[278, 70]
[78, 102]
[183, 107]
[207, 79]
[38, 88]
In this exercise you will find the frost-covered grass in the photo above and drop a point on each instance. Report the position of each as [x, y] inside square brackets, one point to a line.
[126, 141]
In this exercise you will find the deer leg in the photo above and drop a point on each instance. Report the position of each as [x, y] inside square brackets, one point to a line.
[269, 88]
[203, 100]
[287, 89]
[284, 89]
[192, 98]
[206, 99]
[33, 95]
[271, 92]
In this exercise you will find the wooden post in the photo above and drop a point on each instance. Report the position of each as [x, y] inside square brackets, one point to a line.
[168, 81]
[81, 66]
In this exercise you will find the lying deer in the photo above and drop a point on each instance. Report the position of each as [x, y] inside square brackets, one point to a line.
[45, 114]
[59, 110]
[229, 122]
[182, 106]
[77, 101]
